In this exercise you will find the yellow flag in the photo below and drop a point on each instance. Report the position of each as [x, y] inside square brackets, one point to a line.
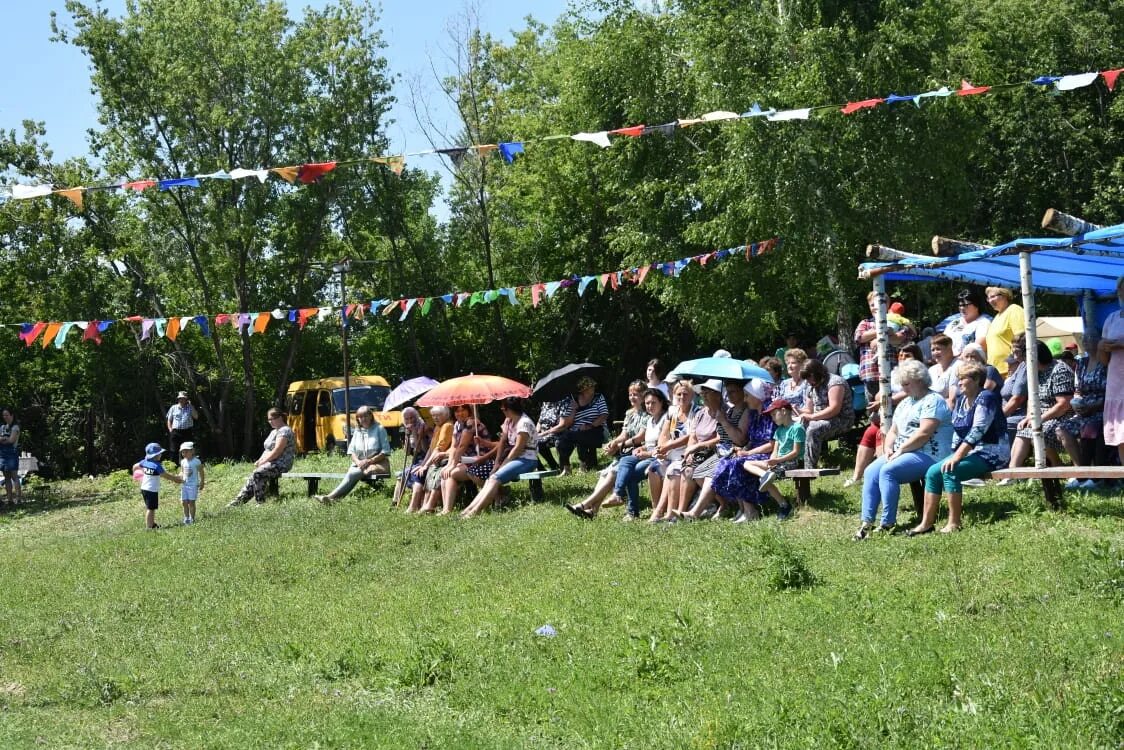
[288, 174]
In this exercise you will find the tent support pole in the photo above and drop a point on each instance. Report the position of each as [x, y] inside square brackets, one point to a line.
[885, 405]
[1089, 322]
[1034, 403]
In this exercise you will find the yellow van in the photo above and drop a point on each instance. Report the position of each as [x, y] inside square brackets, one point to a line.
[316, 411]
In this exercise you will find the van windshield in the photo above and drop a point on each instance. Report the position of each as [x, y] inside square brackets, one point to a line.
[373, 396]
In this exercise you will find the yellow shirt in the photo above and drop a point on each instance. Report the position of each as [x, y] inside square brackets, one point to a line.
[1001, 334]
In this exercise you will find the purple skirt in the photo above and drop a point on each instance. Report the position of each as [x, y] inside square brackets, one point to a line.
[733, 482]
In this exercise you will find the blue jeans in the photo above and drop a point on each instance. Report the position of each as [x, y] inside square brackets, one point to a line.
[630, 470]
[510, 471]
[883, 481]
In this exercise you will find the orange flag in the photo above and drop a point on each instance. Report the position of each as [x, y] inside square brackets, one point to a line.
[49, 335]
[173, 328]
[261, 322]
[74, 195]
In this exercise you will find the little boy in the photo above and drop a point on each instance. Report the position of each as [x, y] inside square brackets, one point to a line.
[191, 472]
[788, 453]
[153, 471]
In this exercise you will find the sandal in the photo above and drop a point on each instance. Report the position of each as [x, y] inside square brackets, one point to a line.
[918, 532]
[950, 529]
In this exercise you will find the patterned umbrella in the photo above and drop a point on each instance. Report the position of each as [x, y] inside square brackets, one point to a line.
[473, 389]
[407, 391]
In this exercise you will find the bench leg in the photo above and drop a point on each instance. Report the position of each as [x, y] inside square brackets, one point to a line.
[537, 494]
[272, 489]
[313, 485]
[917, 489]
[803, 491]
[1053, 490]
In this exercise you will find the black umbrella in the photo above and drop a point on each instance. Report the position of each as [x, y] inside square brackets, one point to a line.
[557, 385]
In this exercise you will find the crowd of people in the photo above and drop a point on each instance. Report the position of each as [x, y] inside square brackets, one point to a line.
[716, 448]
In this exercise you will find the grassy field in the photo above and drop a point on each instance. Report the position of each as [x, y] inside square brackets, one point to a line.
[295, 625]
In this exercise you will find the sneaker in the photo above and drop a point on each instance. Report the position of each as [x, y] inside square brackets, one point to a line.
[850, 483]
[1073, 484]
[1004, 482]
[863, 532]
[740, 518]
[886, 528]
[974, 483]
[784, 512]
[629, 518]
[236, 502]
[324, 499]
[765, 480]
[187, 522]
[154, 527]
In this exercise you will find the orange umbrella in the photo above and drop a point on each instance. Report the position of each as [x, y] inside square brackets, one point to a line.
[473, 389]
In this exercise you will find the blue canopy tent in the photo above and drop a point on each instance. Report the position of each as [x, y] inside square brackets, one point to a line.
[1085, 266]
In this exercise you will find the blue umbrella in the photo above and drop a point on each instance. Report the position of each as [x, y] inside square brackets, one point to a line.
[407, 391]
[723, 368]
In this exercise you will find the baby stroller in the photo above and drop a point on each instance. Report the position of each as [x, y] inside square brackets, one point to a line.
[842, 363]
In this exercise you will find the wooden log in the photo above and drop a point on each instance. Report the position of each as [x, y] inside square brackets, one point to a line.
[945, 247]
[1062, 223]
[882, 252]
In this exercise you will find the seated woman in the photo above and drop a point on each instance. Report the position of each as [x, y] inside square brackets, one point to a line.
[276, 458]
[427, 492]
[975, 353]
[634, 467]
[920, 435]
[775, 368]
[415, 442]
[793, 388]
[582, 427]
[471, 459]
[550, 414]
[872, 435]
[655, 372]
[828, 410]
[668, 466]
[618, 447]
[979, 446]
[1014, 391]
[369, 450]
[731, 425]
[1081, 433]
[702, 439]
[1055, 391]
[518, 454]
[732, 483]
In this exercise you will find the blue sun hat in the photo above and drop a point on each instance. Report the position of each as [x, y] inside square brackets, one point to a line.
[152, 450]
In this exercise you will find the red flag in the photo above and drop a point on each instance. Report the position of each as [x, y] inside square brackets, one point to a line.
[33, 333]
[536, 294]
[643, 273]
[634, 131]
[967, 89]
[310, 173]
[222, 318]
[303, 315]
[1110, 77]
[864, 104]
[139, 185]
[92, 333]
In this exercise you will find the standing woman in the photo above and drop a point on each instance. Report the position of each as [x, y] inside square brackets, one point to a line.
[1009, 321]
[979, 447]
[10, 455]
[276, 458]
[970, 326]
[1111, 352]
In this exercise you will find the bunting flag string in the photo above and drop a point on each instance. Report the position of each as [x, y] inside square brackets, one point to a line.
[55, 332]
[311, 173]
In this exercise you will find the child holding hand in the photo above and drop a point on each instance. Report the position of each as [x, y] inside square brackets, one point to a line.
[191, 472]
[151, 471]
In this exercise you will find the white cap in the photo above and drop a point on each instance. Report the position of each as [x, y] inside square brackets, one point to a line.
[188, 446]
[714, 384]
[722, 353]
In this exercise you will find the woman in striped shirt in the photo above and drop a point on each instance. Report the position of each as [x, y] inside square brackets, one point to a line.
[583, 427]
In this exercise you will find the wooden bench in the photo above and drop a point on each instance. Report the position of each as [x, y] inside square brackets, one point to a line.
[313, 478]
[1052, 477]
[803, 478]
[534, 480]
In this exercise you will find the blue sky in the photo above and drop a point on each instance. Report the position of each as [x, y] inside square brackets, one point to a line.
[53, 82]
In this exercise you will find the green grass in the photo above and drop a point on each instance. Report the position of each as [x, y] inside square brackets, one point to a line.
[295, 625]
